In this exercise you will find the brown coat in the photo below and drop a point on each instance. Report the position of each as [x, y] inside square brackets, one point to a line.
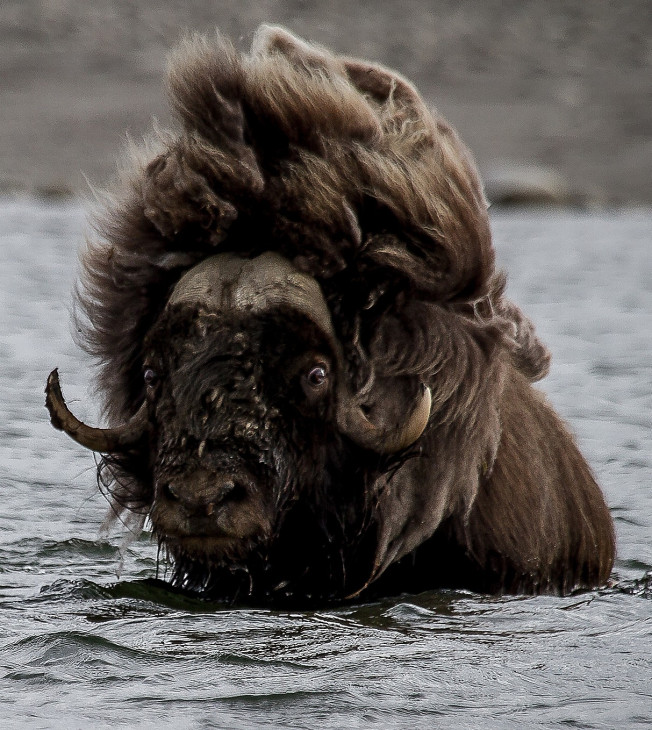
[338, 165]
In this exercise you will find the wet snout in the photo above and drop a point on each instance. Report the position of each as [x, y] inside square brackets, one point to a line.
[201, 493]
[211, 514]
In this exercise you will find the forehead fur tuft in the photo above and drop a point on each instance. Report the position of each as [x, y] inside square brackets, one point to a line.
[308, 137]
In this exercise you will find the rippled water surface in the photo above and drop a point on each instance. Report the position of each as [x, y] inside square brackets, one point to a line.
[88, 639]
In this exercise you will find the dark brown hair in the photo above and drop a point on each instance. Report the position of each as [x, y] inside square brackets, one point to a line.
[339, 166]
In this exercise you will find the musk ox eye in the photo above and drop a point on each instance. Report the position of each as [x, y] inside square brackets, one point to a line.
[317, 375]
[314, 379]
[150, 376]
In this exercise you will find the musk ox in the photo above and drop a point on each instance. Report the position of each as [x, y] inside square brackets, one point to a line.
[315, 386]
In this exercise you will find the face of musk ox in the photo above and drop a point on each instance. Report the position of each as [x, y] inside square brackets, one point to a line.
[247, 413]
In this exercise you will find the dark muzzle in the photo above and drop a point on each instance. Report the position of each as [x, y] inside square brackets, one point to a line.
[203, 491]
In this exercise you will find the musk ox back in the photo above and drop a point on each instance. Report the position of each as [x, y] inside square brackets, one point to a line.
[314, 384]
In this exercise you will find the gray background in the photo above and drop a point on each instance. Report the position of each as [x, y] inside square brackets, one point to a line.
[565, 86]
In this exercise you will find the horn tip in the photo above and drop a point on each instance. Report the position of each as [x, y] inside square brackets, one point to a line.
[53, 397]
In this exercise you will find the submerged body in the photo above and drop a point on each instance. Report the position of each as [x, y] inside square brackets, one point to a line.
[326, 392]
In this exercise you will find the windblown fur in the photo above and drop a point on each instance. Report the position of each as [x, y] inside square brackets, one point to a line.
[338, 165]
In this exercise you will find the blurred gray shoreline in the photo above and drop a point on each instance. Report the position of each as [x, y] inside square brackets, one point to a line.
[553, 98]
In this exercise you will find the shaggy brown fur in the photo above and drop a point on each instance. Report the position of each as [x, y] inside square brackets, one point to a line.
[338, 165]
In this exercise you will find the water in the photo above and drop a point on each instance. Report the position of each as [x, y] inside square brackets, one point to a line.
[82, 647]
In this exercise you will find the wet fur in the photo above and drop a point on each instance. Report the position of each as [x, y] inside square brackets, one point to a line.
[338, 165]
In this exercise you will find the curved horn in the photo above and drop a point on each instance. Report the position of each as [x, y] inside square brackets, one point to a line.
[388, 435]
[105, 440]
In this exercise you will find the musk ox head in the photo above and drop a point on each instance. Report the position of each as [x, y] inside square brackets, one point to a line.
[294, 307]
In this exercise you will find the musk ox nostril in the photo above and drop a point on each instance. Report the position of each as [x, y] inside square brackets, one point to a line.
[171, 492]
[226, 489]
[204, 492]
[238, 491]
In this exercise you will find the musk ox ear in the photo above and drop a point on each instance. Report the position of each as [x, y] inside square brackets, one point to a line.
[388, 89]
[273, 39]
